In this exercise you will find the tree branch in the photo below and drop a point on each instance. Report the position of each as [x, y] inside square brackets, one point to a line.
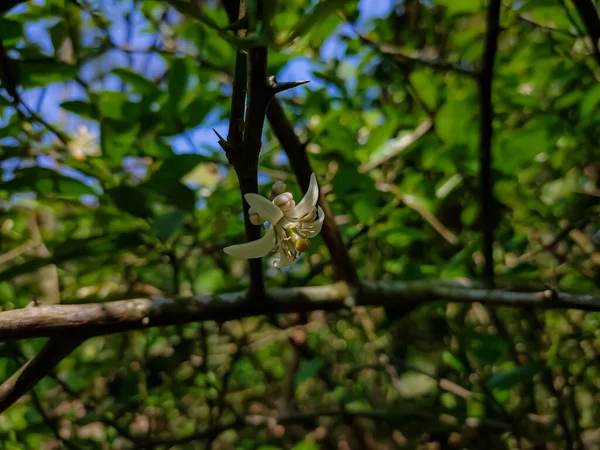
[589, 15]
[55, 350]
[244, 138]
[486, 130]
[296, 153]
[400, 55]
[94, 319]
[402, 144]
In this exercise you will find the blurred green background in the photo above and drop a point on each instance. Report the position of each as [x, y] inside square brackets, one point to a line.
[114, 186]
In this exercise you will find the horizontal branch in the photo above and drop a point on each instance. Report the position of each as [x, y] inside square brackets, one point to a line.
[94, 319]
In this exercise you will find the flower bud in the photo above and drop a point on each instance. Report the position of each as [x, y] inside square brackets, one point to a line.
[287, 206]
[284, 201]
[278, 188]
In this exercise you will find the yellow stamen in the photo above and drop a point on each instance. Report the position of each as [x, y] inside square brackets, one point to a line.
[302, 245]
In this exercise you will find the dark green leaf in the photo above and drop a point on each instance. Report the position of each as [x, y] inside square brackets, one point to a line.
[117, 138]
[176, 167]
[320, 12]
[40, 72]
[76, 248]
[140, 83]
[82, 108]
[58, 34]
[132, 200]
[46, 182]
[177, 84]
[175, 193]
[309, 369]
[506, 380]
[167, 224]
[488, 348]
[11, 32]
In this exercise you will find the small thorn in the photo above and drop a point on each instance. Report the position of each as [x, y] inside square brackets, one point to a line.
[280, 87]
[222, 141]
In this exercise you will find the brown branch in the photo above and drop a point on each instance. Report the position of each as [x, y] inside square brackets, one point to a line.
[296, 153]
[55, 350]
[244, 138]
[118, 316]
[251, 83]
[400, 55]
[485, 144]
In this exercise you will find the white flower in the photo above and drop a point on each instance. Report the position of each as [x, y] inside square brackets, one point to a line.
[83, 144]
[291, 225]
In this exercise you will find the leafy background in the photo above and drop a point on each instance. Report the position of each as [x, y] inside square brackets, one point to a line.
[113, 187]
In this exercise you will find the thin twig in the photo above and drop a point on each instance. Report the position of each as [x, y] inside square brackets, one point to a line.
[402, 144]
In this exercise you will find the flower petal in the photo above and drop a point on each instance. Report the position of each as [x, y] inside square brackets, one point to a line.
[264, 208]
[280, 260]
[308, 202]
[255, 249]
[314, 228]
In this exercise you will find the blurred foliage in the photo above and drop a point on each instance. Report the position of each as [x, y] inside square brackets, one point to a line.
[113, 186]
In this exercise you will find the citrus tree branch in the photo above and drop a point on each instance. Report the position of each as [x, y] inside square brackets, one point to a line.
[22, 381]
[94, 319]
[485, 136]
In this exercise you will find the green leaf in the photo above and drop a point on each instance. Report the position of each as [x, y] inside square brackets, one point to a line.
[518, 148]
[139, 83]
[309, 369]
[167, 224]
[58, 34]
[589, 102]
[488, 348]
[306, 445]
[116, 105]
[452, 361]
[426, 87]
[77, 248]
[506, 380]
[11, 32]
[176, 167]
[364, 210]
[322, 10]
[81, 108]
[176, 84]
[46, 182]
[117, 138]
[379, 136]
[40, 72]
[175, 193]
[194, 113]
[456, 122]
[455, 7]
[132, 200]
